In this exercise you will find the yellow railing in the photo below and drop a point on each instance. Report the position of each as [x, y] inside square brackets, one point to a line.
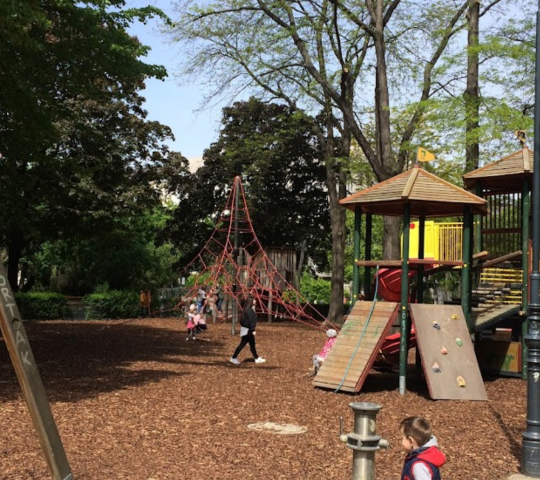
[442, 241]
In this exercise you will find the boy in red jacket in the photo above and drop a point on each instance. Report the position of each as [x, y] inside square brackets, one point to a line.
[423, 458]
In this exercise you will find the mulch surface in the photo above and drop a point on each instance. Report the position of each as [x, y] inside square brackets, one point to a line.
[134, 400]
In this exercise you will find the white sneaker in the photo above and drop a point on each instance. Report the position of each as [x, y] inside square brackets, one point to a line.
[260, 360]
[235, 361]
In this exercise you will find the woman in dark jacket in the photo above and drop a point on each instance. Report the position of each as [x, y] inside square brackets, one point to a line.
[247, 332]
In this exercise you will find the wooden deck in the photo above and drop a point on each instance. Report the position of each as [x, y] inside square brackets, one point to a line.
[487, 315]
[356, 347]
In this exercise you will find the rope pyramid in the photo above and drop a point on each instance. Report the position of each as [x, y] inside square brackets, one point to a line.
[241, 267]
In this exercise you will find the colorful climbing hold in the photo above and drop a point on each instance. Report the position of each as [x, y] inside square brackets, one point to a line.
[459, 342]
[436, 325]
[455, 317]
[436, 368]
[444, 351]
[461, 381]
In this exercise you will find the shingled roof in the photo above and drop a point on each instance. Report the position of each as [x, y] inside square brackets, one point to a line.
[427, 194]
[504, 175]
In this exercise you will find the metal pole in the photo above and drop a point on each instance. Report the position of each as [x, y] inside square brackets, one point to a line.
[235, 284]
[530, 456]
[525, 235]
[466, 270]
[404, 312]
[364, 442]
[356, 268]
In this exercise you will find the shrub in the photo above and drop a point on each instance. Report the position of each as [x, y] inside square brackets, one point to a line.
[41, 305]
[112, 304]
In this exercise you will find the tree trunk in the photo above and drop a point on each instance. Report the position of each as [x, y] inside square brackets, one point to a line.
[472, 94]
[14, 250]
[337, 220]
[391, 238]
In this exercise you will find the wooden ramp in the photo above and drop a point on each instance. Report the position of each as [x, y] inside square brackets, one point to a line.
[487, 315]
[459, 364]
[356, 346]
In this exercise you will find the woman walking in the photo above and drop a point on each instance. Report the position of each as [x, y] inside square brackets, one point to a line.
[248, 331]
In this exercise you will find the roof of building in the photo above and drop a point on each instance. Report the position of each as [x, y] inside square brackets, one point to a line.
[504, 175]
[427, 194]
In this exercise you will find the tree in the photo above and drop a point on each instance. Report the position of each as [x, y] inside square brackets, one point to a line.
[277, 155]
[76, 146]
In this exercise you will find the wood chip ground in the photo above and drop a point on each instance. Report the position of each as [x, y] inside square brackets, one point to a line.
[133, 400]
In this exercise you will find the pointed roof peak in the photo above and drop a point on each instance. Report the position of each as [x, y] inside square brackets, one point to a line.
[428, 195]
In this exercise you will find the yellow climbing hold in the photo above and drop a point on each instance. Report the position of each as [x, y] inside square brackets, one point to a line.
[461, 381]
[455, 317]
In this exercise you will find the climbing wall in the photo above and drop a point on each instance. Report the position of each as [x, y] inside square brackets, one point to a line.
[447, 353]
[356, 347]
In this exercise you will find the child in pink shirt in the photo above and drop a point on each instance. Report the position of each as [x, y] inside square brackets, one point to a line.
[319, 358]
[190, 322]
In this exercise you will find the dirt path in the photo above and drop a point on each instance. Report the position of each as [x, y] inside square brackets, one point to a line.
[135, 401]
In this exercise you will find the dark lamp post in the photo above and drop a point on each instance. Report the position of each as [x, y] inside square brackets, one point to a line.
[530, 456]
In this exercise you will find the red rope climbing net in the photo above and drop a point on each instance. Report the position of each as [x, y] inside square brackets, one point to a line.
[247, 269]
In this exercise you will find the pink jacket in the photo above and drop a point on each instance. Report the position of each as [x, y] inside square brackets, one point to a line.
[327, 347]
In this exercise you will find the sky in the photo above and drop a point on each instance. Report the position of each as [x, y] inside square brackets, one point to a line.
[167, 101]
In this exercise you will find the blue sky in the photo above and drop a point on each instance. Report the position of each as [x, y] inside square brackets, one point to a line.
[167, 101]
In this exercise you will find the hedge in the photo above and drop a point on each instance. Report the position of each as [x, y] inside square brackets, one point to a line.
[41, 305]
[112, 304]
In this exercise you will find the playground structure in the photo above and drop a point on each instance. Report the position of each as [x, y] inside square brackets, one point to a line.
[234, 259]
[412, 194]
[493, 279]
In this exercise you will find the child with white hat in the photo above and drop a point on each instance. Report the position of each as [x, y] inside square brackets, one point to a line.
[320, 357]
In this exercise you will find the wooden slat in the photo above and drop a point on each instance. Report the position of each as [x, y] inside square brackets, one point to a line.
[356, 346]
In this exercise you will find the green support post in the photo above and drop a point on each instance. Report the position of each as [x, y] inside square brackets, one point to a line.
[421, 243]
[466, 270]
[526, 210]
[356, 268]
[404, 308]
[478, 247]
[367, 270]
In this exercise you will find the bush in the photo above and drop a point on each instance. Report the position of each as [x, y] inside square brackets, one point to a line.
[112, 304]
[41, 305]
[315, 290]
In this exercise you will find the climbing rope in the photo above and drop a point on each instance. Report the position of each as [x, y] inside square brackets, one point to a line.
[363, 331]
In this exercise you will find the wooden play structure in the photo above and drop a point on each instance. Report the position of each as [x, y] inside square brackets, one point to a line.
[489, 249]
[502, 291]
[420, 194]
[357, 346]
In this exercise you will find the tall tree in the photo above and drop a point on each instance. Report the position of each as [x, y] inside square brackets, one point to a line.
[76, 146]
[472, 93]
[276, 153]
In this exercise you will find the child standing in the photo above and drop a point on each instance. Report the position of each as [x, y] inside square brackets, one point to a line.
[423, 458]
[320, 357]
[190, 321]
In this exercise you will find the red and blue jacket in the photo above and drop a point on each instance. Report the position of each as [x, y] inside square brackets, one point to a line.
[424, 462]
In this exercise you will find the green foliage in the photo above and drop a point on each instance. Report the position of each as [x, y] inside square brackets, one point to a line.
[113, 304]
[76, 144]
[126, 255]
[315, 290]
[277, 154]
[41, 305]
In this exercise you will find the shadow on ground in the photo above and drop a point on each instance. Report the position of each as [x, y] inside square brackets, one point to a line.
[79, 360]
